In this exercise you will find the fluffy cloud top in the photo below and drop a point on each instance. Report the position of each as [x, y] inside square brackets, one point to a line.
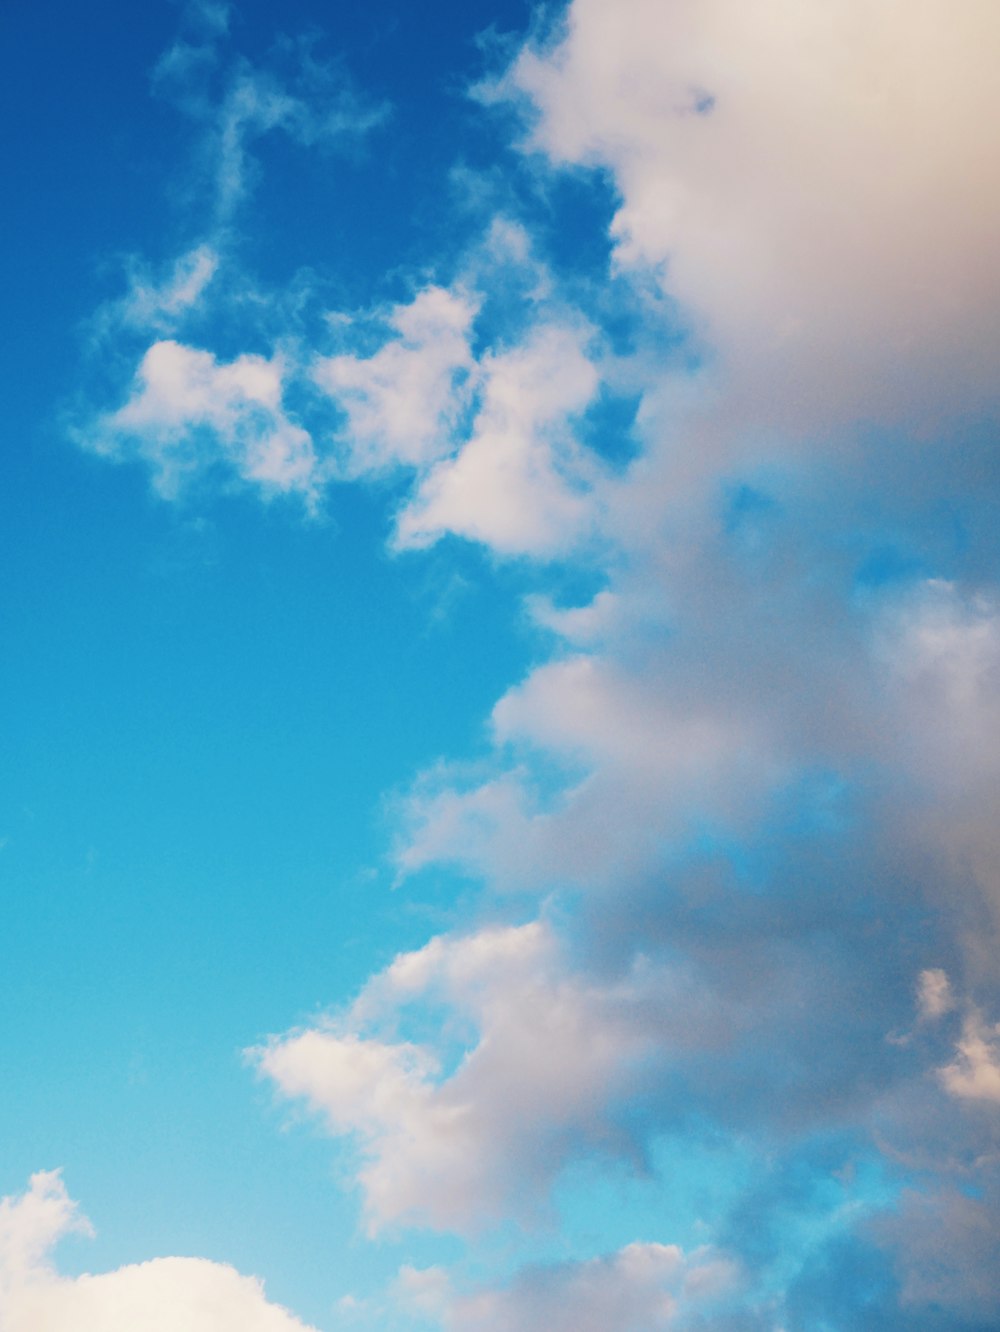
[404, 402]
[474, 1122]
[519, 483]
[817, 181]
[188, 413]
[162, 1295]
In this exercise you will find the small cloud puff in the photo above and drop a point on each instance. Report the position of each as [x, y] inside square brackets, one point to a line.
[188, 414]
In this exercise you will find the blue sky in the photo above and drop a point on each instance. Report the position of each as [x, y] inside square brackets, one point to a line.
[502, 661]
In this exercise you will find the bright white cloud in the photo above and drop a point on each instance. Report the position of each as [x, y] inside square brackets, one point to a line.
[163, 1295]
[188, 413]
[404, 402]
[527, 1062]
[520, 483]
[817, 181]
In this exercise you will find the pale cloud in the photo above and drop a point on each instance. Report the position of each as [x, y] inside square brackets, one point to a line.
[404, 403]
[642, 766]
[942, 645]
[934, 994]
[491, 438]
[162, 1295]
[521, 483]
[311, 101]
[643, 1287]
[321, 107]
[975, 1073]
[527, 1062]
[160, 306]
[816, 182]
[189, 412]
[580, 626]
[31, 1224]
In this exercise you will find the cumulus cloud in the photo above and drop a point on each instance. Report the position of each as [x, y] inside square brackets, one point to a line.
[644, 1287]
[157, 1296]
[488, 434]
[485, 426]
[526, 1062]
[816, 183]
[652, 768]
[520, 483]
[188, 413]
[404, 402]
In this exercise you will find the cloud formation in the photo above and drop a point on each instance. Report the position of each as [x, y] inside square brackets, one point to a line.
[157, 1296]
[815, 183]
[234, 103]
[746, 792]
[525, 1063]
[188, 414]
[641, 1288]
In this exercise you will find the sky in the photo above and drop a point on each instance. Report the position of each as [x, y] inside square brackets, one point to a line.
[501, 667]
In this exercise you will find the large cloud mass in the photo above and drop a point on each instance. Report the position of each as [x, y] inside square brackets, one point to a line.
[817, 181]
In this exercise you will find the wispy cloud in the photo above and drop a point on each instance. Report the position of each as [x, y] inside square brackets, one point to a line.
[235, 103]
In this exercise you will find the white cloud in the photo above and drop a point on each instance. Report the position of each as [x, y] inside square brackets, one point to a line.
[163, 1295]
[645, 758]
[189, 412]
[404, 402]
[520, 483]
[490, 439]
[527, 1061]
[644, 1287]
[818, 182]
[580, 626]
